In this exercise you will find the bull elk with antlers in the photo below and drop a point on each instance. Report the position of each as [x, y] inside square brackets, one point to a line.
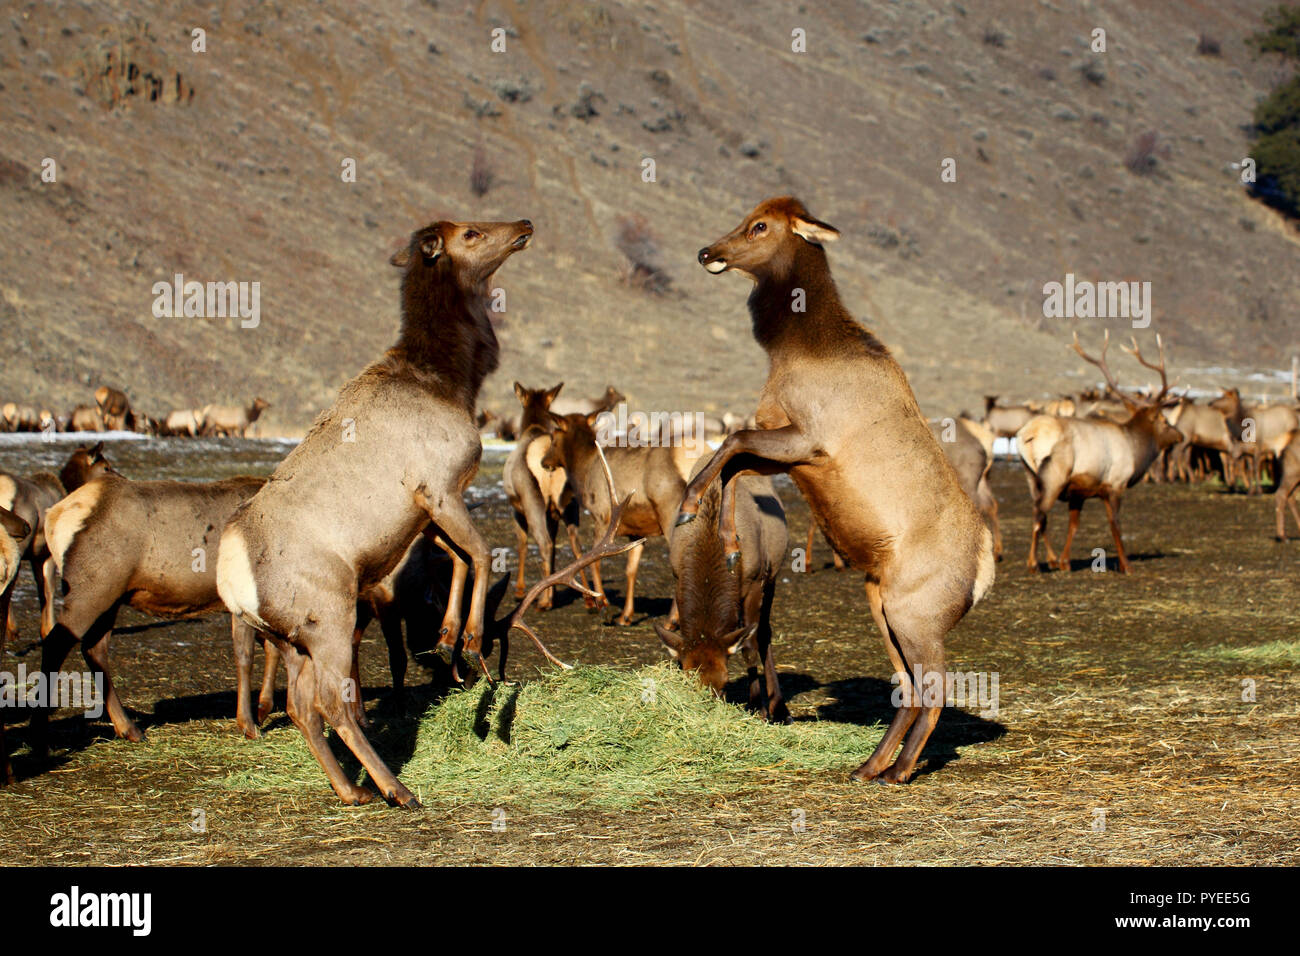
[1074, 459]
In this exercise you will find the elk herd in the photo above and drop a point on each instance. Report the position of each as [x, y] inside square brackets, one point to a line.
[366, 518]
[112, 411]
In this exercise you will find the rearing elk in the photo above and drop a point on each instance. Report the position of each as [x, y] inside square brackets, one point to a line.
[1073, 459]
[838, 415]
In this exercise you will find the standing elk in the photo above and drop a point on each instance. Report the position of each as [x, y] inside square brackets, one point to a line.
[183, 422]
[150, 545]
[654, 475]
[541, 498]
[838, 415]
[1205, 429]
[231, 421]
[721, 611]
[1074, 459]
[1005, 420]
[20, 417]
[396, 451]
[85, 418]
[14, 531]
[114, 409]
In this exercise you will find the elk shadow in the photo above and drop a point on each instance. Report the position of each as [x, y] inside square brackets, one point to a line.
[867, 701]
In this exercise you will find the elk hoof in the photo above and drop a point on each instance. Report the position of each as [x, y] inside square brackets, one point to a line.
[685, 517]
[358, 797]
[864, 773]
[252, 733]
[894, 775]
[446, 651]
[133, 734]
[401, 797]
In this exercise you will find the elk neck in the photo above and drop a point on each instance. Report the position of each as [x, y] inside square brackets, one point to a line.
[824, 328]
[446, 341]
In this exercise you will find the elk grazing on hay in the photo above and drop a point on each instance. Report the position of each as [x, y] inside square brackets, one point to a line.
[396, 451]
[838, 415]
[721, 612]
[541, 497]
[655, 476]
[149, 545]
[1074, 459]
[14, 531]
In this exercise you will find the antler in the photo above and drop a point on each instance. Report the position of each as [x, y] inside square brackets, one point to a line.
[1137, 354]
[603, 548]
[1111, 385]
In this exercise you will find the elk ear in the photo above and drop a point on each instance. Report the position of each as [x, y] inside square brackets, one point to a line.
[401, 258]
[594, 417]
[97, 453]
[814, 230]
[431, 247]
[553, 394]
[13, 525]
[521, 393]
[672, 640]
[737, 638]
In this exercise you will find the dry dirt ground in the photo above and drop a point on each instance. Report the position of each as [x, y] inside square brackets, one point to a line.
[1117, 694]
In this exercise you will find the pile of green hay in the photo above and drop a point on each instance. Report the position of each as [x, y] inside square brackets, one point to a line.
[1276, 653]
[600, 735]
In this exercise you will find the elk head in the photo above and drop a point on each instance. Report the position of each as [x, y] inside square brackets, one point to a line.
[1146, 414]
[706, 656]
[473, 251]
[767, 241]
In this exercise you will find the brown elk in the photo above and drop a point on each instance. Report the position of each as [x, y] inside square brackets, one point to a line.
[231, 420]
[182, 421]
[1205, 428]
[1074, 459]
[31, 499]
[838, 415]
[14, 531]
[540, 497]
[721, 611]
[968, 446]
[1267, 430]
[114, 408]
[85, 418]
[1287, 479]
[19, 417]
[396, 451]
[1005, 420]
[150, 545]
[585, 406]
[654, 475]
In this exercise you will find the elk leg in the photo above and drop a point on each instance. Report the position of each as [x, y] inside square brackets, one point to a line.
[988, 506]
[633, 562]
[54, 650]
[390, 622]
[244, 639]
[1076, 507]
[44, 572]
[1112, 516]
[775, 707]
[301, 705]
[357, 701]
[521, 549]
[94, 648]
[572, 528]
[266, 696]
[454, 521]
[545, 538]
[331, 657]
[904, 716]
[808, 549]
[787, 446]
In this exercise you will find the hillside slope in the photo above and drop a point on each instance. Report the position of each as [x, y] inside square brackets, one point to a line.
[233, 173]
